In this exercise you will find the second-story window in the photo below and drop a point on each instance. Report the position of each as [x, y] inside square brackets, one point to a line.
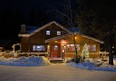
[47, 32]
[58, 32]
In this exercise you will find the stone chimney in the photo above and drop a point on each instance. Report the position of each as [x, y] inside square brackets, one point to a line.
[23, 28]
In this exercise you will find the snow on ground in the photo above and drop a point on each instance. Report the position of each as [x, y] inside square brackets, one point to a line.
[92, 66]
[24, 61]
[40, 61]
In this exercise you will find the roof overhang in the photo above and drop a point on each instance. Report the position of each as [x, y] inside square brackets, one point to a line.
[97, 40]
[1, 48]
[75, 33]
[24, 35]
[57, 38]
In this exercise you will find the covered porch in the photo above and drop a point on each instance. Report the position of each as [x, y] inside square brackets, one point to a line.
[64, 46]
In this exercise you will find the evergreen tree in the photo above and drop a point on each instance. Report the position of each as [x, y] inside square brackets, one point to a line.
[98, 17]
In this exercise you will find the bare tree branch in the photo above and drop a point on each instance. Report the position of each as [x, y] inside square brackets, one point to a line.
[60, 12]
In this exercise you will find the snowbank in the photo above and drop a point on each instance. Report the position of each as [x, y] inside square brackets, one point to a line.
[24, 61]
[92, 66]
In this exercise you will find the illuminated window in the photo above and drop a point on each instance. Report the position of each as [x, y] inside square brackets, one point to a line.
[47, 32]
[55, 47]
[58, 32]
[70, 47]
[92, 47]
[38, 48]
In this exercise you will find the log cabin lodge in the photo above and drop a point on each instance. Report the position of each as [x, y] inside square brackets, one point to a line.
[55, 41]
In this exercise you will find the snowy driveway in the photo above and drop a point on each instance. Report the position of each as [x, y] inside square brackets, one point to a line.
[54, 72]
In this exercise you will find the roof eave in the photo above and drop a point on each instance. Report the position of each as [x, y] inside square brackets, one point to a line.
[97, 40]
[56, 38]
[63, 36]
[23, 35]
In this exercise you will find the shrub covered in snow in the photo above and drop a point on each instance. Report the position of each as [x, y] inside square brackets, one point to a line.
[24, 61]
[91, 66]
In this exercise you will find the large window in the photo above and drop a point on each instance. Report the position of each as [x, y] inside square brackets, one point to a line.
[47, 32]
[71, 47]
[38, 48]
[92, 47]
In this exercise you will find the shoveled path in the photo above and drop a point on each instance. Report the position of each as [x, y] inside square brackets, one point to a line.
[53, 72]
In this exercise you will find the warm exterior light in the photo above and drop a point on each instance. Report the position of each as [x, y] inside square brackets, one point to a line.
[56, 41]
[48, 46]
[64, 46]
[68, 45]
[74, 37]
[63, 41]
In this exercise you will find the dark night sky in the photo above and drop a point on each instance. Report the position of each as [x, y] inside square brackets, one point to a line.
[13, 13]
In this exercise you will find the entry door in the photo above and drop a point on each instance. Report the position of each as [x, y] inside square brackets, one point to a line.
[56, 50]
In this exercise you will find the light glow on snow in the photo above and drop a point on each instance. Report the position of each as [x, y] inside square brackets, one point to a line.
[91, 66]
[24, 61]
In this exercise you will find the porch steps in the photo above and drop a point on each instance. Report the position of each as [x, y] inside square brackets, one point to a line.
[56, 60]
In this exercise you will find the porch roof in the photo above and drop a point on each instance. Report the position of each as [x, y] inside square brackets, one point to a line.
[72, 34]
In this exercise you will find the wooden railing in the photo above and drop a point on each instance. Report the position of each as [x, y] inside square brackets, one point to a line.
[11, 54]
[33, 53]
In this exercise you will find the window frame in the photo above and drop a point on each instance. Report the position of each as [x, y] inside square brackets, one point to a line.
[58, 33]
[48, 32]
[41, 48]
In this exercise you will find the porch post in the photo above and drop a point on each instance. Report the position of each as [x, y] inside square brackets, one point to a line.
[29, 45]
[75, 45]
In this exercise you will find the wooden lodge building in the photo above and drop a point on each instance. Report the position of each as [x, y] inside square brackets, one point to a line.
[56, 41]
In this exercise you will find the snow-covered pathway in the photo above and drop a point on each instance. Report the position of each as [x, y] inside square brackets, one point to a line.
[54, 72]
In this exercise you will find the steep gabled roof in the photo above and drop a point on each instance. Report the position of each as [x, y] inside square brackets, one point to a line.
[76, 33]
[44, 26]
[48, 24]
